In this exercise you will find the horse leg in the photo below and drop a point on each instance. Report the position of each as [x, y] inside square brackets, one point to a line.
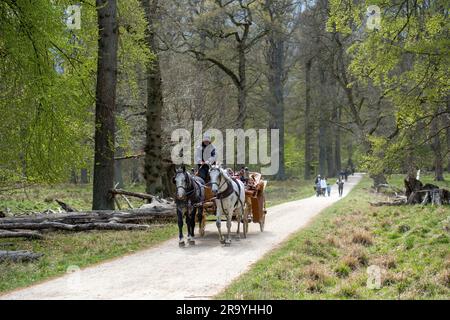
[200, 218]
[219, 223]
[191, 226]
[180, 227]
[188, 223]
[239, 219]
[229, 214]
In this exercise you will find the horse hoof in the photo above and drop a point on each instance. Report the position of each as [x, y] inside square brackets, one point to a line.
[192, 242]
[222, 241]
[181, 244]
[227, 244]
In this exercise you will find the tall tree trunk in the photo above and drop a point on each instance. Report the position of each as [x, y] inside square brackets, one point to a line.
[350, 153]
[337, 141]
[275, 61]
[323, 122]
[105, 104]
[242, 88]
[437, 150]
[153, 157]
[331, 168]
[308, 123]
[322, 148]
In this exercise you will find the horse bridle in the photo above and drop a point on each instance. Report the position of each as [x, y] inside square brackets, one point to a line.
[188, 179]
[219, 186]
[220, 173]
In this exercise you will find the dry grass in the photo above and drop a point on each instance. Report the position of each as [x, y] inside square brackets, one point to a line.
[362, 237]
[444, 278]
[351, 262]
[409, 244]
[332, 241]
[316, 277]
[316, 272]
[387, 261]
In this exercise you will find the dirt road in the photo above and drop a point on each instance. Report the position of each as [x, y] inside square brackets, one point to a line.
[196, 272]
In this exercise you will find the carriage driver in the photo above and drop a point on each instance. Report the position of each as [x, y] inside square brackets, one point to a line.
[205, 155]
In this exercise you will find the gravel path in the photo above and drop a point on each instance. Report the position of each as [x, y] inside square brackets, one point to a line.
[196, 272]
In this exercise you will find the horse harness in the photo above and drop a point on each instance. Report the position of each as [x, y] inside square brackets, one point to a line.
[190, 191]
[228, 191]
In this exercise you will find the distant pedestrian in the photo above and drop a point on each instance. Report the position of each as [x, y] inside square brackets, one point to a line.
[340, 184]
[318, 189]
[317, 185]
[323, 186]
[328, 187]
[317, 179]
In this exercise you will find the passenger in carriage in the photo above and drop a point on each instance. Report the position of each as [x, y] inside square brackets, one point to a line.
[244, 175]
[205, 155]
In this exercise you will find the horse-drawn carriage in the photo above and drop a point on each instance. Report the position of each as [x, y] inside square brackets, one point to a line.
[238, 196]
[254, 205]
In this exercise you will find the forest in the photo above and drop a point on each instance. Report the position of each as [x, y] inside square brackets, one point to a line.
[94, 92]
[91, 92]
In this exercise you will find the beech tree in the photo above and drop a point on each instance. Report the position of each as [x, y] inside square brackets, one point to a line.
[105, 105]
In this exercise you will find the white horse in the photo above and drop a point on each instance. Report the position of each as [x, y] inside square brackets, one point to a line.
[230, 196]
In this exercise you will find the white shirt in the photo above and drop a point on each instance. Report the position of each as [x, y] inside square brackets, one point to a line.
[207, 156]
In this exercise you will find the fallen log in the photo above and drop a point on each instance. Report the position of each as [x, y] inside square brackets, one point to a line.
[147, 213]
[19, 256]
[72, 227]
[20, 234]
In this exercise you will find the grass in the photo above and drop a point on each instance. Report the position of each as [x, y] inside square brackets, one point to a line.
[283, 191]
[62, 250]
[410, 246]
[42, 197]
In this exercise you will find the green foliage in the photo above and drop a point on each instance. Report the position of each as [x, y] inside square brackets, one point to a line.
[47, 81]
[407, 59]
[293, 156]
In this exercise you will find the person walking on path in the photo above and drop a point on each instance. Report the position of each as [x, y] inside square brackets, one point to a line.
[328, 187]
[317, 185]
[323, 186]
[340, 184]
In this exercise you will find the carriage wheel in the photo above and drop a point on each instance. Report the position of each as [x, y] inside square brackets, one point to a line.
[263, 218]
[245, 219]
[245, 227]
[262, 221]
[203, 224]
